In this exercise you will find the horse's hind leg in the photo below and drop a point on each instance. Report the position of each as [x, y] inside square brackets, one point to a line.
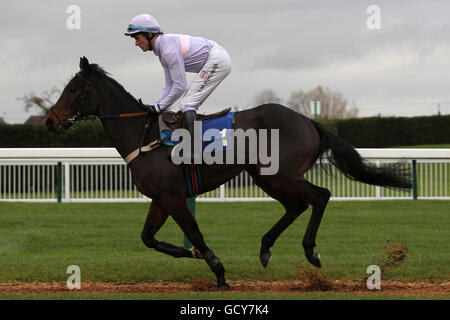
[280, 189]
[183, 217]
[294, 208]
[318, 197]
[155, 219]
[295, 196]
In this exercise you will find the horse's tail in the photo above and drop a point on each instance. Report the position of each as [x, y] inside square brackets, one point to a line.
[349, 161]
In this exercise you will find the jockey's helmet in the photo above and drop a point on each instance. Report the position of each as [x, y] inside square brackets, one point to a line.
[143, 23]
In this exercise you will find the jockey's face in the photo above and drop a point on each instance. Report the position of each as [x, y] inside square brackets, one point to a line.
[141, 42]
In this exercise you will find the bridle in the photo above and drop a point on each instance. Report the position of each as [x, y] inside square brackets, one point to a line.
[67, 123]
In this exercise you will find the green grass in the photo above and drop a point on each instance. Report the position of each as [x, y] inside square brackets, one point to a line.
[39, 241]
[219, 296]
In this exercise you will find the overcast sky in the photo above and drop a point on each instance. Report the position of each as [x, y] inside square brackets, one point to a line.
[402, 69]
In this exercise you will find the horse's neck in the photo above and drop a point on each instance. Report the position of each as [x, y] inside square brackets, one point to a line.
[124, 133]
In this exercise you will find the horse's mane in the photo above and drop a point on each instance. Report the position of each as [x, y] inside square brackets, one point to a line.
[99, 71]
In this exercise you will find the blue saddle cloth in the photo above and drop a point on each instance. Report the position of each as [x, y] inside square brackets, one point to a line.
[221, 124]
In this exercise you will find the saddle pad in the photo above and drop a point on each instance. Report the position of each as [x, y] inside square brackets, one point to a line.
[223, 124]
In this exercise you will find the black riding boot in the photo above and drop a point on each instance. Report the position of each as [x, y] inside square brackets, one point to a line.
[189, 117]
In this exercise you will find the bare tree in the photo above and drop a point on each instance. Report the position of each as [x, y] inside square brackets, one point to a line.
[267, 96]
[43, 102]
[332, 104]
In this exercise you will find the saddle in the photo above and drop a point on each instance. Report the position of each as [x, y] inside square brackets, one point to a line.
[174, 120]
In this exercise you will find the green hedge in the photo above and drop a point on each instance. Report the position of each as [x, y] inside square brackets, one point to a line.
[378, 132]
[88, 134]
[374, 132]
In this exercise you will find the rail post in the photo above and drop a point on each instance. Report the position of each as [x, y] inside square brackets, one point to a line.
[66, 181]
[414, 172]
[378, 188]
[222, 192]
[59, 181]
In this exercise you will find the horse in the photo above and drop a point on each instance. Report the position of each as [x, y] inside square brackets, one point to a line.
[92, 92]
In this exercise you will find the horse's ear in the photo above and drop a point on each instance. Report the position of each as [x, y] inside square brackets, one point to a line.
[84, 65]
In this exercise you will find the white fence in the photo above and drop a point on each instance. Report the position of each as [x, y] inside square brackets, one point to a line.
[100, 175]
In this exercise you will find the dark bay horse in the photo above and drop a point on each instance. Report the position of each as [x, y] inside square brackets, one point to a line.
[301, 142]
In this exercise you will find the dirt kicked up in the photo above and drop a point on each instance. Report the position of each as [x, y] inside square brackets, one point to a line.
[418, 288]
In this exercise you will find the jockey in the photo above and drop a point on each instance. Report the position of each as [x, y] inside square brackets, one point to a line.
[179, 54]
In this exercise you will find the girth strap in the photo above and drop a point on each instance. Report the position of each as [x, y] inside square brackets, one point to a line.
[149, 147]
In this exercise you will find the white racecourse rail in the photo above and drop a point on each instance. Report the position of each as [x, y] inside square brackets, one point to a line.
[101, 175]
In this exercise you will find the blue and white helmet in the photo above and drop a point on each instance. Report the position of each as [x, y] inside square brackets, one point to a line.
[142, 23]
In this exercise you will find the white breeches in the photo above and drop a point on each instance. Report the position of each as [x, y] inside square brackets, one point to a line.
[216, 68]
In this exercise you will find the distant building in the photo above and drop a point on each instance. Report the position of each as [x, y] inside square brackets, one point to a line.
[35, 120]
[2, 120]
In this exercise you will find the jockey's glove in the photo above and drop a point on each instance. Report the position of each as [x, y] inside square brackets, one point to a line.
[152, 109]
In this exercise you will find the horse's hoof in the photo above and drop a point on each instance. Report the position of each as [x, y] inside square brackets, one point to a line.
[223, 287]
[265, 258]
[315, 260]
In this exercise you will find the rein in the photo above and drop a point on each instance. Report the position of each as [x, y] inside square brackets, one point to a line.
[79, 116]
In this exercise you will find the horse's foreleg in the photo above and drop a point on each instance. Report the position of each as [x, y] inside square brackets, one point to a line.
[156, 217]
[184, 218]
